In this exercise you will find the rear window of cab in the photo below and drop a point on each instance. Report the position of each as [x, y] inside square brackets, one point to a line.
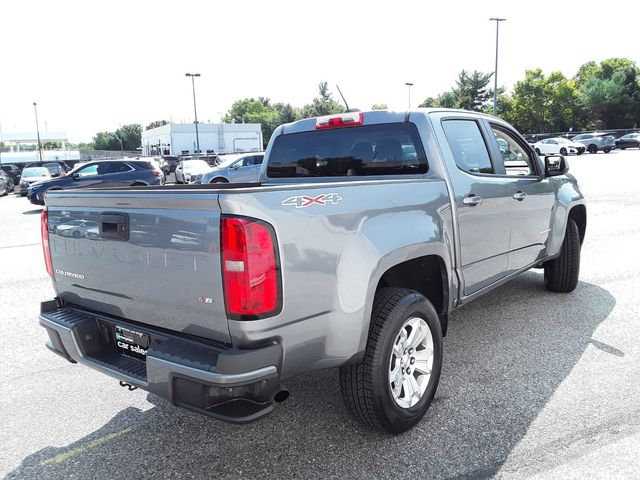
[384, 149]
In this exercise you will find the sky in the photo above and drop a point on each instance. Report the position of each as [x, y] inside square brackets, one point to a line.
[95, 65]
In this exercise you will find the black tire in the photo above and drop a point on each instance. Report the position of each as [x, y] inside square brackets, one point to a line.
[538, 151]
[561, 274]
[622, 148]
[580, 152]
[606, 150]
[563, 151]
[138, 184]
[219, 180]
[592, 148]
[365, 386]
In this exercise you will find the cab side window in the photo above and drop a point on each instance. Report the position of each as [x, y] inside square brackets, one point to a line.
[467, 146]
[517, 160]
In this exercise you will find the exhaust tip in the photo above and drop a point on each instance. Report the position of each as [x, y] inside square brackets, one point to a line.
[281, 395]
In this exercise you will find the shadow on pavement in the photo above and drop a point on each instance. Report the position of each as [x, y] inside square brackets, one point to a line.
[36, 211]
[505, 355]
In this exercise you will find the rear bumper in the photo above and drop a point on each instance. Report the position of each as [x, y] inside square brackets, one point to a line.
[228, 384]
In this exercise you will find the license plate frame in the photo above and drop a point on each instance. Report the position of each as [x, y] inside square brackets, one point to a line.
[131, 343]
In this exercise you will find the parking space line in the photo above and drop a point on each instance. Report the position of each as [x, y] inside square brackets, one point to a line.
[62, 457]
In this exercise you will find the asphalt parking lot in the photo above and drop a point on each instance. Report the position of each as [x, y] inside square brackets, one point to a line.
[534, 384]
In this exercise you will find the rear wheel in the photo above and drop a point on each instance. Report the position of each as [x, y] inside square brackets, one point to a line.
[563, 151]
[561, 274]
[391, 388]
[606, 150]
[219, 180]
[592, 148]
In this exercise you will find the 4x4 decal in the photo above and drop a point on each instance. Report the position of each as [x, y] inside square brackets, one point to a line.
[303, 201]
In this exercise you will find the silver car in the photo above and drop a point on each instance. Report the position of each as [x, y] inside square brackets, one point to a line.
[596, 142]
[187, 170]
[236, 168]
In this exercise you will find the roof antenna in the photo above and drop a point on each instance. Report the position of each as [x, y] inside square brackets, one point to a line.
[345, 102]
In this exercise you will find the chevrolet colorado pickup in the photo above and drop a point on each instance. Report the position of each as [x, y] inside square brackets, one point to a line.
[365, 230]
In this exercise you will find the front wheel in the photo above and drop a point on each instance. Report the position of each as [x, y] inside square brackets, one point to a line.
[563, 151]
[592, 149]
[606, 150]
[561, 274]
[391, 388]
[538, 151]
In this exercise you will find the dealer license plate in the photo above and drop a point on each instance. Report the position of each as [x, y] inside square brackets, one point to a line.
[131, 343]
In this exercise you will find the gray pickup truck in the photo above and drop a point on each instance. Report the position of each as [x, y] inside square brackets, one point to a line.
[364, 232]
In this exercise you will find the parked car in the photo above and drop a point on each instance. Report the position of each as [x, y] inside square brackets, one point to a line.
[4, 186]
[13, 171]
[596, 142]
[103, 173]
[31, 175]
[76, 228]
[559, 145]
[11, 186]
[188, 169]
[351, 252]
[630, 140]
[55, 168]
[237, 168]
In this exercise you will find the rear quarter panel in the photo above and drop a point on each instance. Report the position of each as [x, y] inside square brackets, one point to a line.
[333, 256]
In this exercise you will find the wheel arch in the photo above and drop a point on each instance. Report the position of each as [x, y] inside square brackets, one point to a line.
[578, 214]
[425, 274]
[219, 177]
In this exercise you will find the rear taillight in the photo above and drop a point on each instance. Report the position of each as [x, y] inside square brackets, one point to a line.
[250, 268]
[44, 230]
[155, 173]
[342, 120]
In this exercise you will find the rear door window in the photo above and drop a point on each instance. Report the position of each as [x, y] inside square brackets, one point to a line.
[385, 149]
[468, 146]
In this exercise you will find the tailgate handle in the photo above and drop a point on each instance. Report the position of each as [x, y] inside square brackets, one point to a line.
[114, 226]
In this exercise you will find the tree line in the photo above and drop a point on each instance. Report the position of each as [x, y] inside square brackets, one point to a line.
[603, 95]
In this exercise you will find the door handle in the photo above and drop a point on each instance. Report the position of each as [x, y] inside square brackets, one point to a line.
[472, 200]
[519, 195]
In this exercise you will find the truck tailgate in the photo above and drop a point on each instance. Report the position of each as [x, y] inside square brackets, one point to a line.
[141, 256]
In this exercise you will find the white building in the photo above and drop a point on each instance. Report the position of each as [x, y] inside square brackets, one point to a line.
[180, 138]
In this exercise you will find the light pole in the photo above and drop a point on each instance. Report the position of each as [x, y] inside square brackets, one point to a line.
[195, 112]
[35, 109]
[409, 85]
[495, 72]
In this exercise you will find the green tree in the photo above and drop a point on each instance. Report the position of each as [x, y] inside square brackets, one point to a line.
[610, 93]
[379, 106]
[443, 100]
[285, 113]
[156, 124]
[105, 141]
[254, 110]
[131, 136]
[323, 104]
[472, 90]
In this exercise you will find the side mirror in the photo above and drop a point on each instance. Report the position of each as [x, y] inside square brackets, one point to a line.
[76, 176]
[555, 165]
[235, 166]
